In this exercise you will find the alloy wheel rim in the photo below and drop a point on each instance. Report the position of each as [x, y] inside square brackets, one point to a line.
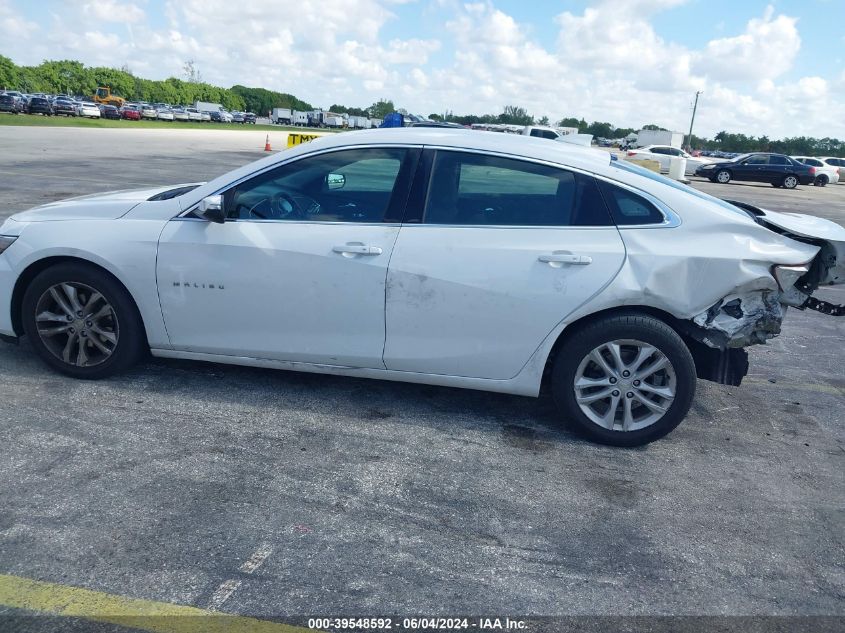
[723, 176]
[625, 385]
[790, 182]
[77, 324]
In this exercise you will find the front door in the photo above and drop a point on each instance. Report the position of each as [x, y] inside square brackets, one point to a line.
[502, 250]
[297, 271]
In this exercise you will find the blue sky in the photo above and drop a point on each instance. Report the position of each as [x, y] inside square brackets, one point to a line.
[772, 67]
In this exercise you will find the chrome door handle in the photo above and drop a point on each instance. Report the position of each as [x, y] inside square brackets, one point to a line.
[566, 258]
[357, 249]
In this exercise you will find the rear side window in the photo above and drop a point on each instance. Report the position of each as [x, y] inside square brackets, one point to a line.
[544, 134]
[779, 160]
[628, 208]
[482, 190]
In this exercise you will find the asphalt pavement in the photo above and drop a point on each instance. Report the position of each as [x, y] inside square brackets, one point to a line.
[367, 497]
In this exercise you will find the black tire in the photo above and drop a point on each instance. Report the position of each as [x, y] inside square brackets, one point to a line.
[723, 176]
[821, 181]
[790, 182]
[636, 326]
[131, 341]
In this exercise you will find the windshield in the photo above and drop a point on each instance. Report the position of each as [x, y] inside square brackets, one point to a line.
[647, 173]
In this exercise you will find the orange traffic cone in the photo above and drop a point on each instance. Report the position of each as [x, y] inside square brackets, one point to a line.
[267, 147]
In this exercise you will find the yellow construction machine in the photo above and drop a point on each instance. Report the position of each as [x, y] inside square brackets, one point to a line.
[105, 96]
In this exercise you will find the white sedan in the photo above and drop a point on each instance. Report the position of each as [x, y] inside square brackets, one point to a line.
[664, 154]
[89, 109]
[448, 257]
[825, 174]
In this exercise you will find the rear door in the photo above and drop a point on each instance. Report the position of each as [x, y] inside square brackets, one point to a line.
[493, 254]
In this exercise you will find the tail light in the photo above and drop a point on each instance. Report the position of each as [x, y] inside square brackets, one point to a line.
[630, 153]
[812, 171]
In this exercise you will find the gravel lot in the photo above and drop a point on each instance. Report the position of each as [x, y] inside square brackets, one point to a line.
[387, 498]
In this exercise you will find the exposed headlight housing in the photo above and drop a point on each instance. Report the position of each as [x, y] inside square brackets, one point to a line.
[6, 241]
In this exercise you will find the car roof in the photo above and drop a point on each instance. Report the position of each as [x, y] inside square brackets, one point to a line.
[500, 142]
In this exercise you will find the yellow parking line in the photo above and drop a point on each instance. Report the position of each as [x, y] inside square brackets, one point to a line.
[799, 386]
[147, 615]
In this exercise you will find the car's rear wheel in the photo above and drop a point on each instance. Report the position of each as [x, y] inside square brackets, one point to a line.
[790, 182]
[624, 380]
[821, 181]
[82, 321]
[723, 176]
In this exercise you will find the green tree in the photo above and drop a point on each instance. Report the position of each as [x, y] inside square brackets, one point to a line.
[544, 120]
[381, 108]
[515, 115]
[581, 124]
[600, 129]
[9, 74]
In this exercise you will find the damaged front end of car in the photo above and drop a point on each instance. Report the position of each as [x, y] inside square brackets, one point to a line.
[753, 314]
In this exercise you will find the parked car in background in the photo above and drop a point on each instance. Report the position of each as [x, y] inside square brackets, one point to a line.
[839, 163]
[40, 105]
[194, 115]
[12, 103]
[249, 117]
[206, 116]
[237, 117]
[776, 169]
[64, 106]
[825, 174]
[165, 114]
[109, 112]
[664, 154]
[89, 109]
[148, 111]
[179, 114]
[216, 116]
[130, 112]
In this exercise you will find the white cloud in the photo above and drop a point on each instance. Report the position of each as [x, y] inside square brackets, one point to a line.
[766, 49]
[112, 11]
[13, 26]
[607, 63]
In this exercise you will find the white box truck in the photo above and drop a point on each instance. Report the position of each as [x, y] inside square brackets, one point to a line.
[281, 116]
[299, 118]
[205, 106]
[659, 137]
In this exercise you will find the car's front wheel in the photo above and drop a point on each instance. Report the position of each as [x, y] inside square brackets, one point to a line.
[82, 321]
[624, 380]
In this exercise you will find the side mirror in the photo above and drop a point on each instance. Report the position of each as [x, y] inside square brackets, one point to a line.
[335, 181]
[211, 208]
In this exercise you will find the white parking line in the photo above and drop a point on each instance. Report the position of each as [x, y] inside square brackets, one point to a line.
[257, 559]
[222, 594]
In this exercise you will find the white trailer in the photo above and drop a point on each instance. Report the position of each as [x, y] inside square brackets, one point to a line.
[205, 106]
[333, 121]
[299, 118]
[281, 116]
[659, 137]
[376, 122]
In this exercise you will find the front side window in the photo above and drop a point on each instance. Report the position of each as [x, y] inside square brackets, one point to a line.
[344, 186]
[477, 189]
[757, 159]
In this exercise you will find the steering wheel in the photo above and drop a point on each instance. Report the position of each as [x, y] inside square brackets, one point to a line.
[279, 206]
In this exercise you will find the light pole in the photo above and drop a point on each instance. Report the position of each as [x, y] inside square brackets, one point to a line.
[692, 121]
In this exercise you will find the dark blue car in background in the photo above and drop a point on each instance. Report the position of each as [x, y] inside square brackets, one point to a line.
[776, 169]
